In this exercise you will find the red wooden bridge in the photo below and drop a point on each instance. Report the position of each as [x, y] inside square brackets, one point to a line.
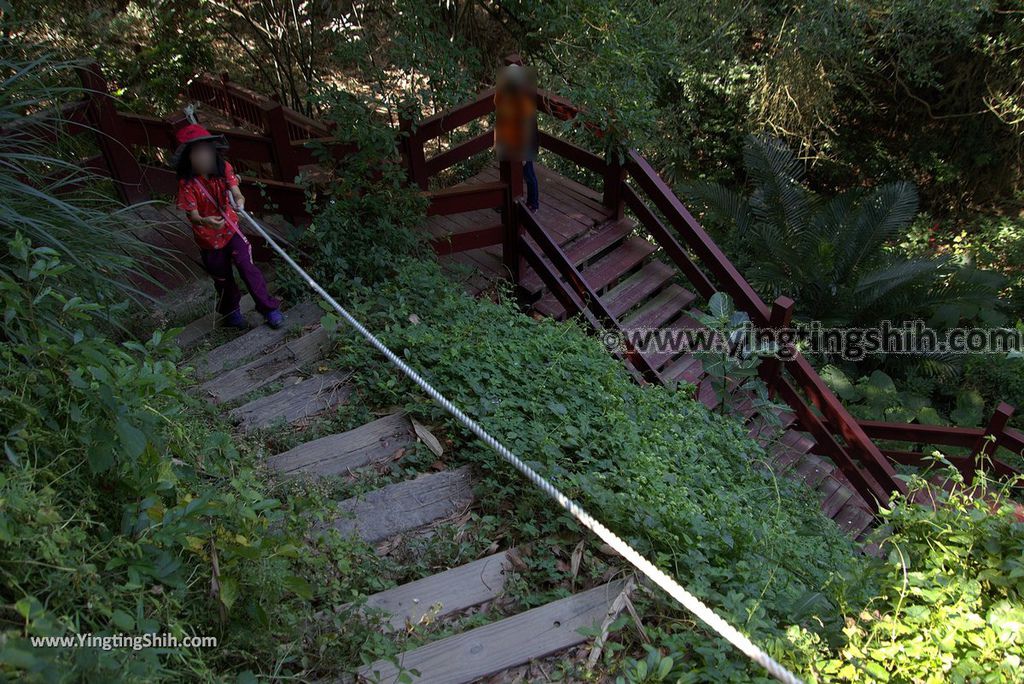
[625, 255]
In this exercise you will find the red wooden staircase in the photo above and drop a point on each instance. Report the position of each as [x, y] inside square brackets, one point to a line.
[580, 254]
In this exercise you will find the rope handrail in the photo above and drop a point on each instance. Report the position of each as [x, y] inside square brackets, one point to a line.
[699, 609]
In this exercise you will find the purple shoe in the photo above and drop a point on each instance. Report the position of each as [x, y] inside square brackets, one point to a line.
[235, 319]
[275, 319]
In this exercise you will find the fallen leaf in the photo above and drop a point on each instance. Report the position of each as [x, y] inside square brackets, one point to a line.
[428, 438]
[516, 560]
[577, 558]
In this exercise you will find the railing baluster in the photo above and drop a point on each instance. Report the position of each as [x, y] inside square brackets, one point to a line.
[511, 174]
[780, 317]
[614, 179]
[124, 167]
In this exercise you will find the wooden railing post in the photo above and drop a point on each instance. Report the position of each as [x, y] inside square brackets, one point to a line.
[276, 126]
[229, 105]
[124, 167]
[988, 443]
[412, 150]
[780, 317]
[614, 177]
[511, 174]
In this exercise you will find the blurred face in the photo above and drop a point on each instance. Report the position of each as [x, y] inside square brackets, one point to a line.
[204, 158]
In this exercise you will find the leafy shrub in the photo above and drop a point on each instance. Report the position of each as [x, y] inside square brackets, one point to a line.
[686, 486]
[124, 509]
[951, 599]
[836, 256]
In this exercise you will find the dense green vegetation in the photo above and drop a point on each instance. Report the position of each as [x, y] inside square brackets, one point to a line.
[125, 506]
[691, 494]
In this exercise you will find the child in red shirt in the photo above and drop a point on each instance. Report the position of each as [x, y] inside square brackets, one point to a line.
[204, 181]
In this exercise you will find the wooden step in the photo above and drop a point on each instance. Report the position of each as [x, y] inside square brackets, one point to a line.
[342, 453]
[638, 287]
[617, 263]
[686, 368]
[293, 403]
[583, 249]
[854, 519]
[812, 469]
[443, 594]
[248, 345]
[503, 644]
[837, 500]
[665, 307]
[603, 272]
[404, 506]
[267, 368]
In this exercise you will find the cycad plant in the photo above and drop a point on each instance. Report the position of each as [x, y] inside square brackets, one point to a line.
[838, 257]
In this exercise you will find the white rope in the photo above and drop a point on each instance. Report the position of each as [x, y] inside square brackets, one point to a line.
[669, 585]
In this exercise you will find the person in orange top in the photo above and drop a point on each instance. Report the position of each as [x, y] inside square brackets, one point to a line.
[205, 179]
[515, 125]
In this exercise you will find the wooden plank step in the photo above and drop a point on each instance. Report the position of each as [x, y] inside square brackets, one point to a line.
[629, 254]
[293, 403]
[686, 368]
[853, 518]
[201, 327]
[258, 340]
[443, 594]
[638, 287]
[583, 249]
[503, 644]
[812, 469]
[707, 394]
[678, 327]
[341, 453]
[265, 369]
[663, 308]
[404, 506]
[834, 502]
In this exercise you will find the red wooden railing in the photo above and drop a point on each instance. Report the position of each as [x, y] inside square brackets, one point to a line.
[269, 161]
[244, 106]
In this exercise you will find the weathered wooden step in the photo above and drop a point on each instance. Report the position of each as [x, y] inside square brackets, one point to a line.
[638, 287]
[660, 310]
[503, 644]
[405, 506]
[445, 593]
[265, 369]
[201, 327]
[854, 519]
[338, 454]
[583, 249]
[603, 272]
[686, 368]
[295, 402]
[617, 263]
[257, 340]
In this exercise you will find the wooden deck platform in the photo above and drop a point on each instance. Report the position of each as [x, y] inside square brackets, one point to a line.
[567, 208]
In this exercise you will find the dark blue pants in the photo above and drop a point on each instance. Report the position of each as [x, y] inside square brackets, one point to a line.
[532, 191]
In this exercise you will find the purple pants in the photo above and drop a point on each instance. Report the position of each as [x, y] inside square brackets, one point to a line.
[218, 265]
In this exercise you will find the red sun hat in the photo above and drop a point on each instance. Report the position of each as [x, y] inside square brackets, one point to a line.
[193, 133]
